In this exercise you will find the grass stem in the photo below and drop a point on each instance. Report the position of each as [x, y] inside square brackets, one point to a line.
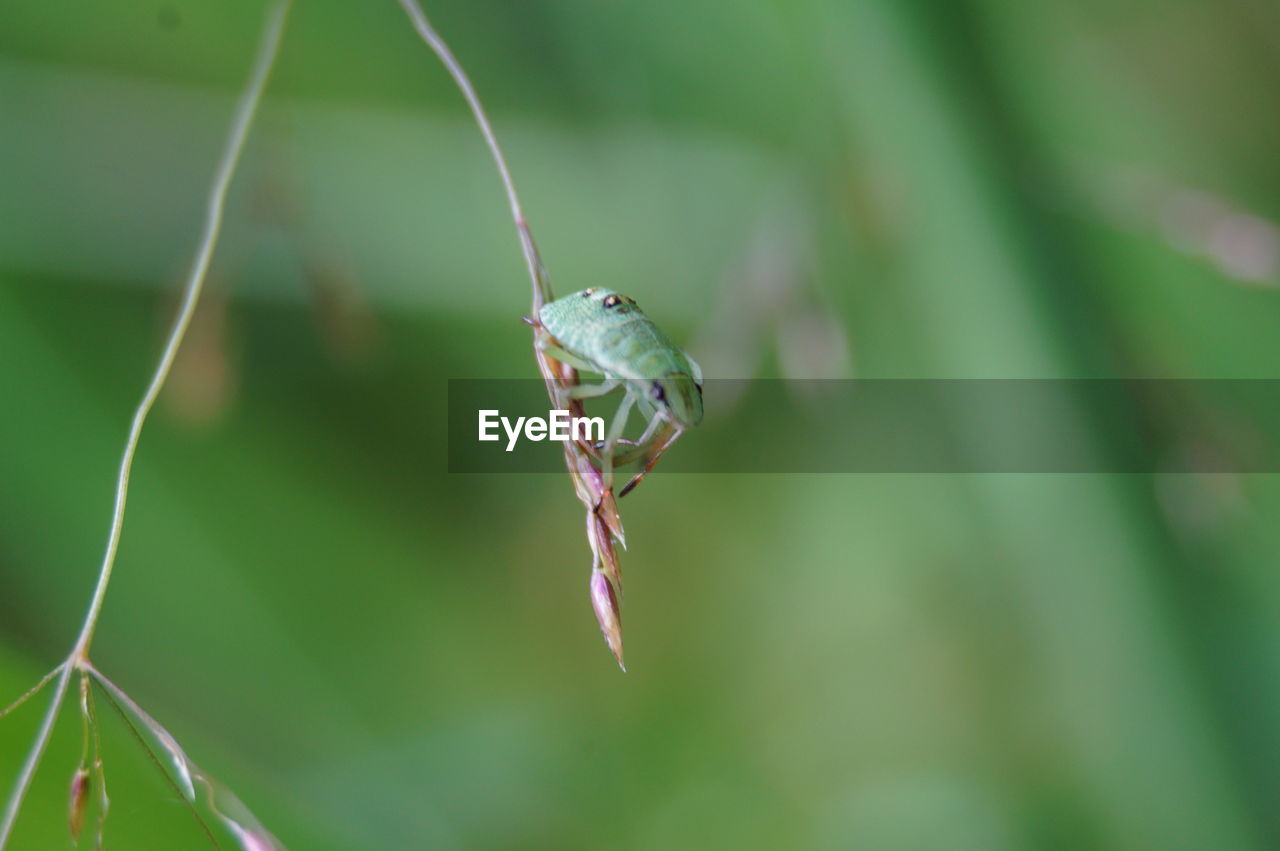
[78, 658]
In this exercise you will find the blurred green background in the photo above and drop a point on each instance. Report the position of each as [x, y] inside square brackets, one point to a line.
[375, 654]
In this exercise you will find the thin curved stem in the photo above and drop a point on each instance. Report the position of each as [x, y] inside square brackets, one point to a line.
[537, 273]
[33, 691]
[246, 107]
[558, 375]
[244, 113]
[33, 756]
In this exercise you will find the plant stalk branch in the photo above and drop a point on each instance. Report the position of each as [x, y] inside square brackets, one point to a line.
[537, 273]
[246, 108]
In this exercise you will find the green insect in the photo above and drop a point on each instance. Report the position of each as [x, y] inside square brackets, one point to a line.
[601, 331]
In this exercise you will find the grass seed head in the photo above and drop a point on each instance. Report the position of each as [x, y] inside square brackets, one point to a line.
[605, 603]
[77, 801]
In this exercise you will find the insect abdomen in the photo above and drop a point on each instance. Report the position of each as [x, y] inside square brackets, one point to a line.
[638, 349]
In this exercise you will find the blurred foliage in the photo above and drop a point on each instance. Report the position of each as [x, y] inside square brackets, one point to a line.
[373, 653]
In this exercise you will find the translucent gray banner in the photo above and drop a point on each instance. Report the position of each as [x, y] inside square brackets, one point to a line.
[907, 426]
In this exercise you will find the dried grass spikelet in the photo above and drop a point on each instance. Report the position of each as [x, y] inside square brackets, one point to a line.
[206, 798]
[604, 600]
[77, 801]
[603, 523]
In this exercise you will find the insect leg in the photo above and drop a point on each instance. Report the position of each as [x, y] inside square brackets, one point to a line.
[565, 391]
[547, 344]
[640, 447]
[661, 443]
[615, 432]
[590, 391]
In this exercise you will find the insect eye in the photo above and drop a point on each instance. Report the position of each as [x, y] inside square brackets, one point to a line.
[588, 291]
[658, 393]
[613, 301]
